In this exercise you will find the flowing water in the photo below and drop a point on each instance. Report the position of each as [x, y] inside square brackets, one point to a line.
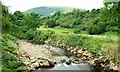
[63, 55]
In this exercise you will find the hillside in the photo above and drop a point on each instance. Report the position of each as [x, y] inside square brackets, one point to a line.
[48, 10]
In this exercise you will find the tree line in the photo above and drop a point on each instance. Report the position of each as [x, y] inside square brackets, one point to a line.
[96, 21]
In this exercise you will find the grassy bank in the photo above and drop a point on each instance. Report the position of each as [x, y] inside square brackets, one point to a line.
[106, 44]
[9, 50]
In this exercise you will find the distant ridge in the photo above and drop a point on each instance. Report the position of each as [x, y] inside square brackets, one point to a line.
[48, 10]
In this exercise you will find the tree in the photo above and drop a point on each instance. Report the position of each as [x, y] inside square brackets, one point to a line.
[77, 22]
[6, 24]
[51, 23]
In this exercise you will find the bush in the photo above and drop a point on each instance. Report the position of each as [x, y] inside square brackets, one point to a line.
[42, 36]
[93, 29]
[9, 62]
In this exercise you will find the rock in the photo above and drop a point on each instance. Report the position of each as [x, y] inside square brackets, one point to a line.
[79, 55]
[64, 46]
[60, 45]
[102, 65]
[85, 53]
[84, 58]
[33, 61]
[106, 61]
[68, 62]
[32, 58]
[75, 53]
[23, 55]
[92, 62]
[74, 49]
[51, 63]
[76, 61]
[57, 44]
[71, 48]
[35, 65]
[41, 64]
[63, 60]
[71, 51]
[115, 68]
[80, 51]
[46, 63]
[26, 63]
[106, 67]
[68, 49]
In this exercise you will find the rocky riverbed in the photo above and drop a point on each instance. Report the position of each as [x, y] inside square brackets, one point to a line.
[100, 62]
[62, 57]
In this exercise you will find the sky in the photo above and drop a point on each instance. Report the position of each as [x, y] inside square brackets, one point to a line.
[23, 5]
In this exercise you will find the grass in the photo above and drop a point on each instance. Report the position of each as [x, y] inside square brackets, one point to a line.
[61, 30]
[57, 29]
[108, 41]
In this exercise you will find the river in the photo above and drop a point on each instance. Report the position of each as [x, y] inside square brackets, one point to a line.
[64, 55]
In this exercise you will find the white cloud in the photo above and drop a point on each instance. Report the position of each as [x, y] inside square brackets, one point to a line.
[23, 5]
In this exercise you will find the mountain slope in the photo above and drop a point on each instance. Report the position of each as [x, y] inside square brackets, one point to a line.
[48, 10]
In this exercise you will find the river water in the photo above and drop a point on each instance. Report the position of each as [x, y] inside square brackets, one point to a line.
[63, 55]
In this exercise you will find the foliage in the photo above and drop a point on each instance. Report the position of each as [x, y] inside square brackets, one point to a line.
[51, 23]
[8, 42]
[6, 25]
[9, 61]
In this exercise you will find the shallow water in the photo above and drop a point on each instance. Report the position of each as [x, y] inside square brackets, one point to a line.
[63, 66]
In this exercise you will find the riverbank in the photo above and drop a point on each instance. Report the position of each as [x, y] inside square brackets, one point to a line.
[51, 56]
[39, 59]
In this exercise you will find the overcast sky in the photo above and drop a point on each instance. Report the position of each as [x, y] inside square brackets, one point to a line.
[23, 5]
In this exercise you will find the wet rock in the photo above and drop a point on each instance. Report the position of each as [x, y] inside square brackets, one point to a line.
[63, 60]
[76, 61]
[68, 62]
[51, 63]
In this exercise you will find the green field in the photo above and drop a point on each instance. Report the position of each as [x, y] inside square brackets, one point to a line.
[71, 31]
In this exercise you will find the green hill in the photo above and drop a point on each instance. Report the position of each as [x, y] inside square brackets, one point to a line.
[48, 10]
